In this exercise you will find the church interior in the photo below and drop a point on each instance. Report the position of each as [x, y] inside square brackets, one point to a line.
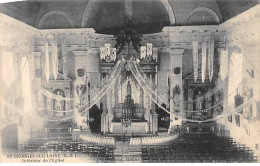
[131, 80]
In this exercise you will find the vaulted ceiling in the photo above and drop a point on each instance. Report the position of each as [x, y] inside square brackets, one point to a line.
[105, 16]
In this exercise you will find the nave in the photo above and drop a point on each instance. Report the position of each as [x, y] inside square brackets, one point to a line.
[191, 146]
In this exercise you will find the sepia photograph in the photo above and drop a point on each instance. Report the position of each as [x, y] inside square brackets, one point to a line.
[130, 81]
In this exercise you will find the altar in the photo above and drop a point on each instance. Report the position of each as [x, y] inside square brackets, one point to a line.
[135, 127]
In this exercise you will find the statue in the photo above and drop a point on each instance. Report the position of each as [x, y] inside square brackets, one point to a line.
[176, 96]
[129, 90]
[81, 89]
[199, 101]
[58, 102]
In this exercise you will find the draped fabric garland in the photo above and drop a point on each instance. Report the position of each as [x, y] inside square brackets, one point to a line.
[107, 84]
[155, 89]
[195, 59]
[210, 59]
[54, 59]
[231, 109]
[203, 60]
[47, 61]
[58, 97]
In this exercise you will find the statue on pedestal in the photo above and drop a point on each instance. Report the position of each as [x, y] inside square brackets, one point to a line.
[58, 103]
[80, 87]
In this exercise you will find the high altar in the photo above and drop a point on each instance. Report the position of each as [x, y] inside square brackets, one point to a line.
[128, 108]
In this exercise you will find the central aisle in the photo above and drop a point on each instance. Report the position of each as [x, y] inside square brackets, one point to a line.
[123, 152]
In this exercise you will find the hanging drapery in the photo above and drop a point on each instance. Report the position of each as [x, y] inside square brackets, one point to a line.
[237, 67]
[102, 53]
[8, 68]
[195, 59]
[223, 64]
[64, 57]
[54, 60]
[210, 58]
[143, 52]
[47, 61]
[203, 61]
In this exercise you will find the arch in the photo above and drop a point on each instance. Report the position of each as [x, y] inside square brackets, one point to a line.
[202, 9]
[90, 4]
[170, 12]
[46, 15]
[86, 11]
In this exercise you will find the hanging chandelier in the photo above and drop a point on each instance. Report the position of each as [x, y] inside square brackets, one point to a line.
[128, 36]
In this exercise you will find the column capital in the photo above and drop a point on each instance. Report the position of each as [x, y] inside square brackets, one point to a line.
[79, 53]
[93, 50]
[178, 51]
[172, 51]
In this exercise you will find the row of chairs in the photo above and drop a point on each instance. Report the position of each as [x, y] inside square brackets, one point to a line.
[99, 153]
[215, 149]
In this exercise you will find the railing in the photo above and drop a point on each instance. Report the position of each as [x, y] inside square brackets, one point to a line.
[152, 140]
[100, 140]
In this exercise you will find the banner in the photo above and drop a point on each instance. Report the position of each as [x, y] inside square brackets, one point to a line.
[210, 59]
[195, 59]
[54, 60]
[203, 61]
[113, 54]
[149, 51]
[223, 64]
[64, 57]
[143, 52]
[47, 61]
[102, 53]
[107, 50]
[155, 54]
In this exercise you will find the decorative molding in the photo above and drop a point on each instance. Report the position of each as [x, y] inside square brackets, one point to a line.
[202, 9]
[46, 15]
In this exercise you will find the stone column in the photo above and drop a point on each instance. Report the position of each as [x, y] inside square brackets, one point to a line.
[147, 106]
[141, 97]
[64, 58]
[116, 94]
[175, 80]
[190, 103]
[80, 58]
[152, 95]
